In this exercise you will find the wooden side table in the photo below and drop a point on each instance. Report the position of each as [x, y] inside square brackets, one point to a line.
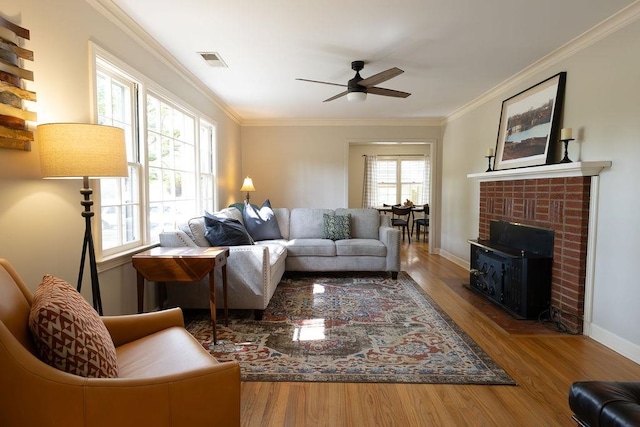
[187, 264]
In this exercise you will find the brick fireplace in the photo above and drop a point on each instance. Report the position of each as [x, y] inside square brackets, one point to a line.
[548, 197]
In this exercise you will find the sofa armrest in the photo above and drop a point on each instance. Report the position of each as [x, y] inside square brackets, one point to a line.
[250, 265]
[176, 239]
[390, 237]
[127, 328]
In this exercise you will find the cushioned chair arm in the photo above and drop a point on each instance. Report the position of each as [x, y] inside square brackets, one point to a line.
[127, 328]
[206, 396]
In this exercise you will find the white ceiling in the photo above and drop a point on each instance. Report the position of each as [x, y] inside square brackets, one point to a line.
[452, 51]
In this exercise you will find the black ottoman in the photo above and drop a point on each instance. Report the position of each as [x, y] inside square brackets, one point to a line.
[600, 403]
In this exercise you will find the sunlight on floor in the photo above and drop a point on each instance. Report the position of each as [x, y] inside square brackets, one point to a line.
[310, 330]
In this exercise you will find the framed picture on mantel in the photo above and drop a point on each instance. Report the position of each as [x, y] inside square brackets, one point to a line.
[529, 125]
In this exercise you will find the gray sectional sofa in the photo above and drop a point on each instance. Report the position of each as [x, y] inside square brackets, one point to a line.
[254, 270]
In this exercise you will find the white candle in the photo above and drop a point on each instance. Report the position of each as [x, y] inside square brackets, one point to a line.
[566, 133]
[490, 152]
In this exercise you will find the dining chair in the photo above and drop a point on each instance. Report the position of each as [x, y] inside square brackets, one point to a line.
[422, 222]
[400, 218]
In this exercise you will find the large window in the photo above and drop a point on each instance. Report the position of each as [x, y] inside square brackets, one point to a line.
[171, 155]
[403, 177]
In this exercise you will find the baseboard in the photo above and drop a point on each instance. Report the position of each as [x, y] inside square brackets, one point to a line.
[454, 259]
[615, 343]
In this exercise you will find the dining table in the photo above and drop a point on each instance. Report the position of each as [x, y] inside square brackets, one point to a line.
[414, 208]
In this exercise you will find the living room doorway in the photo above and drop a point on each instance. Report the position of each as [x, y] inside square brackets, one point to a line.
[387, 151]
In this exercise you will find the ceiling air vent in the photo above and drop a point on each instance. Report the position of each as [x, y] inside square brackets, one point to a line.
[213, 59]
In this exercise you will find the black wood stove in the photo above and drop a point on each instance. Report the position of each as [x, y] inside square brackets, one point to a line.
[513, 267]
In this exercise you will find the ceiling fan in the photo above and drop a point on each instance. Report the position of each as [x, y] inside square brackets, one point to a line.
[357, 88]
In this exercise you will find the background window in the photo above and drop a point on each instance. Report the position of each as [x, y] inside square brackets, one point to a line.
[402, 178]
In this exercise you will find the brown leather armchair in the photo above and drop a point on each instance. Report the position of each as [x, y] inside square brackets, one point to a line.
[165, 377]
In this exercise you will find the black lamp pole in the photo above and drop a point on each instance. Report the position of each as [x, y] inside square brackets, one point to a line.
[86, 191]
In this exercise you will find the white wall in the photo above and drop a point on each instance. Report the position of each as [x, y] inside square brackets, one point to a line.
[41, 229]
[602, 105]
[308, 166]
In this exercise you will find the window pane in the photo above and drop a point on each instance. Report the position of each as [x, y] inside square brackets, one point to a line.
[154, 149]
[173, 183]
[412, 170]
[119, 214]
[153, 114]
[387, 171]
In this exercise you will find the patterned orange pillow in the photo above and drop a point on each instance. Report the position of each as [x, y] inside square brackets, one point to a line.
[68, 332]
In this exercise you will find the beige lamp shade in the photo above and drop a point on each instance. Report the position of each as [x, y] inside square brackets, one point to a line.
[247, 185]
[70, 150]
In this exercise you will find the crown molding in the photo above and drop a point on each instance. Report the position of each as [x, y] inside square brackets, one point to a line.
[120, 19]
[347, 122]
[614, 23]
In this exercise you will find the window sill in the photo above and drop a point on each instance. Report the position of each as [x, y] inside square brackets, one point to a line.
[114, 261]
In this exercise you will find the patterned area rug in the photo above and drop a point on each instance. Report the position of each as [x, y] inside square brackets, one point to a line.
[362, 328]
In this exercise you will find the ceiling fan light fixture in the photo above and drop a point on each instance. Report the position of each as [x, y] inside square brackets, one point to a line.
[356, 96]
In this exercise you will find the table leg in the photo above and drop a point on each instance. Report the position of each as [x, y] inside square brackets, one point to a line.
[162, 291]
[224, 294]
[413, 221]
[140, 292]
[212, 303]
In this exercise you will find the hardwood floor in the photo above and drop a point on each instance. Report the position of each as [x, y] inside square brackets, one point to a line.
[543, 365]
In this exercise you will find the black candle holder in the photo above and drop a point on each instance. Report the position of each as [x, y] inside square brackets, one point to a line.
[489, 160]
[566, 158]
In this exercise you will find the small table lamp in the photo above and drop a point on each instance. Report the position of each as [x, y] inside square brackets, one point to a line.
[247, 186]
[82, 150]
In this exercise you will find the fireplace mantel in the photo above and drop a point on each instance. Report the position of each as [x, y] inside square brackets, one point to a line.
[559, 170]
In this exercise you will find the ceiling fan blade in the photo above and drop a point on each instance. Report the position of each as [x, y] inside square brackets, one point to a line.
[380, 77]
[336, 96]
[387, 92]
[324, 83]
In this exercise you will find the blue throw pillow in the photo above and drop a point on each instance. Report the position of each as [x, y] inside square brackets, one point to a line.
[225, 231]
[262, 223]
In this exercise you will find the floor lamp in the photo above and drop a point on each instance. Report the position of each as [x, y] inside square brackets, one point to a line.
[82, 150]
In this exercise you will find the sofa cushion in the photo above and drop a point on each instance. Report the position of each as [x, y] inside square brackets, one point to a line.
[365, 223]
[261, 223]
[283, 217]
[198, 230]
[307, 223]
[361, 247]
[311, 247]
[222, 231]
[337, 227]
[68, 333]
